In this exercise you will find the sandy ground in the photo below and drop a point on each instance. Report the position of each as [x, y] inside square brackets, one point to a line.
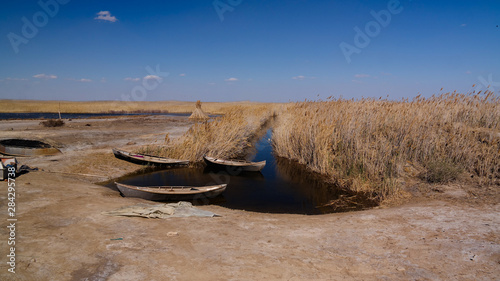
[446, 233]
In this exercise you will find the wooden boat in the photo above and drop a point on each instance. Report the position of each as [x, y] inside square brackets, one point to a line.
[241, 165]
[147, 159]
[163, 193]
[5, 164]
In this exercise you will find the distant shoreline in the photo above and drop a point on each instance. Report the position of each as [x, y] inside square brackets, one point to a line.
[52, 115]
[114, 107]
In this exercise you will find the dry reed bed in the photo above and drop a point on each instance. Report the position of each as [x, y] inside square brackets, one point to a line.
[227, 136]
[374, 145]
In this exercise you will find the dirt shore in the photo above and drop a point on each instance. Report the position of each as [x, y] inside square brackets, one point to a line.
[449, 233]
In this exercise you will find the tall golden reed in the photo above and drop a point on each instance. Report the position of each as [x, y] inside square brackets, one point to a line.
[369, 145]
[227, 136]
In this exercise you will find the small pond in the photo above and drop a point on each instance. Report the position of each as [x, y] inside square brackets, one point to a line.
[283, 186]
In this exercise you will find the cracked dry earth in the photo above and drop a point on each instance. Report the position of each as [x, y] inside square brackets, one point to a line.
[62, 235]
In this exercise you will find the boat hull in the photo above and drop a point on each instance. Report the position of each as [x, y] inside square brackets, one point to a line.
[236, 166]
[203, 192]
[146, 159]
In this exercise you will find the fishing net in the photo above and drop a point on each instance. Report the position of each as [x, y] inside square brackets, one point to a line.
[161, 211]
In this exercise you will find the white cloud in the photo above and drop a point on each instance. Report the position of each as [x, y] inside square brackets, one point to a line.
[182, 74]
[468, 72]
[232, 79]
[15, 79]
[211, 83]
[45, 76]
[105, 15]
[132, 79]
[79, 80]
[152, 77]
[463, 25]
[103, 80]
[361, 75]
[302, 77]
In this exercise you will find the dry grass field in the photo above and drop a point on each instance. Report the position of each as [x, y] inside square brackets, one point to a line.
[23, 106]
[377, 146]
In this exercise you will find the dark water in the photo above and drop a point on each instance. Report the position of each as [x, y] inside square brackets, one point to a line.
[6, 116]
[24, 143]
[283, 186]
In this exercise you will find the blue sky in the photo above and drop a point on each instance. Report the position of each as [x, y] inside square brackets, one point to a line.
[232, 50]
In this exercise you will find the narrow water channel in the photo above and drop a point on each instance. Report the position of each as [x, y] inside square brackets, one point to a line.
[282, 186]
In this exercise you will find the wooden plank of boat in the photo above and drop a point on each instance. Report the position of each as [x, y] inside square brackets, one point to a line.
[240, 164]
[162, 193]
[147, 159]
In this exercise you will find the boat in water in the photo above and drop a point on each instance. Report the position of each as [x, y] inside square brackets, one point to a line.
[246, 166]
